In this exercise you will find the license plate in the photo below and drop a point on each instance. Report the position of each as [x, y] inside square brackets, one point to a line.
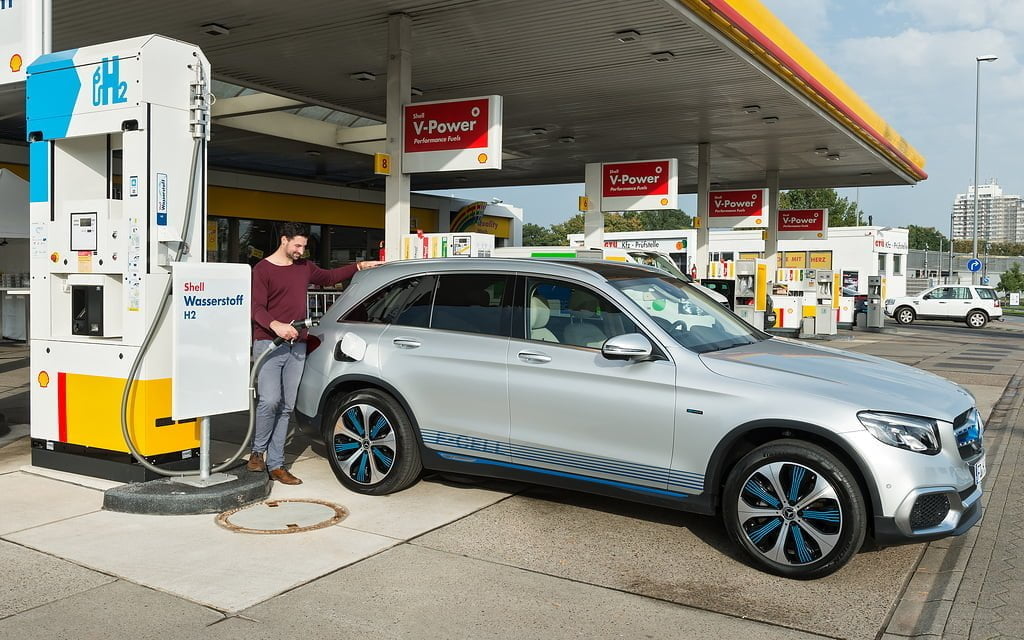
[979, 471]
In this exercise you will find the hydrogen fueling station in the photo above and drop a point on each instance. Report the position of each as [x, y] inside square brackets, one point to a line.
[138, 339]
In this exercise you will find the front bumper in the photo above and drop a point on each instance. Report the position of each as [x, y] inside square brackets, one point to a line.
[964, 513]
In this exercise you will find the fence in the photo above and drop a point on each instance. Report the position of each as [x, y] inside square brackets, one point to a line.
[318, 302]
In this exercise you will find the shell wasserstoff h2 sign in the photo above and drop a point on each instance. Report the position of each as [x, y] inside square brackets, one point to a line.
[739, 208]
[634, 186]
[803, 224]
[452, 135]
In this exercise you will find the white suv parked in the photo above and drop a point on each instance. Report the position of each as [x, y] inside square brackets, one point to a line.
[967, 303]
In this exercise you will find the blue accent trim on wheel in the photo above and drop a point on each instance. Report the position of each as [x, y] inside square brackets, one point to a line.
[802, 552]
[357, 424]
[384, 459]
[342, 447]
[759, 534]
[380, 424]
[831, 515]
[760, 493]
[794, 483]
[364, 472]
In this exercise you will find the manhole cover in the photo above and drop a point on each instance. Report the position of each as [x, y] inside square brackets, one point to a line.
[282, 516]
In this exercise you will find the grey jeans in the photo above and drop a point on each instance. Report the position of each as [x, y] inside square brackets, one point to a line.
[277, 385]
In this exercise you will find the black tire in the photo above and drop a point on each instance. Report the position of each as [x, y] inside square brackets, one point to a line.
[976, 319]
[371, 444]
[904, 315]
[786, 534]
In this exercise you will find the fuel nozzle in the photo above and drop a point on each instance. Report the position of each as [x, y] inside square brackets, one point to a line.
[299, 325]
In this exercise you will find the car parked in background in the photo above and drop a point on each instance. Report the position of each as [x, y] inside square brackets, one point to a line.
[620, 380]
[972, 304]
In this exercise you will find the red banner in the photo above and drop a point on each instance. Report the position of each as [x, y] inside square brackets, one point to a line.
[802, 220]
[741, 202]
[446, 126]
[649, 178]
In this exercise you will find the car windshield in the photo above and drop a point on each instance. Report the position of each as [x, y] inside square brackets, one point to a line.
[693, 319]
[662, 262]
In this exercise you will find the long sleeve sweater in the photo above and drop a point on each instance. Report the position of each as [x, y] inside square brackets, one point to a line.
[279, 292]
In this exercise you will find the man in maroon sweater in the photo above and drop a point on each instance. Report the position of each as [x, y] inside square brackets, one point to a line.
[279, 285]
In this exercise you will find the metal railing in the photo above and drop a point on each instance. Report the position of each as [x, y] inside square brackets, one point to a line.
[318, 302]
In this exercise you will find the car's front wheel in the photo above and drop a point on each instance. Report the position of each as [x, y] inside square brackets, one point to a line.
[904, 315]
[977, 319]
[371, 444]
[795, 509]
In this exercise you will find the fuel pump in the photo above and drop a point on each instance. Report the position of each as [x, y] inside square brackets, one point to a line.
[750, 300]
[876, 299]
[117, 152]
[827, 301]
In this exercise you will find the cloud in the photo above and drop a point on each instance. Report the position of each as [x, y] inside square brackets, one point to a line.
[809, 19]
[963, 14]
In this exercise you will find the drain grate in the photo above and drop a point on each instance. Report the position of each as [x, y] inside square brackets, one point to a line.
[283, 516]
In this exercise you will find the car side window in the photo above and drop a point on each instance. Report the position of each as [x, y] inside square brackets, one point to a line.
[474, 303]
[987, 294]
[936, 294]
[960, 293]
[406, 303]
[573, 315]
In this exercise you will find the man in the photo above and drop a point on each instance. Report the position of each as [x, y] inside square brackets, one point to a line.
[279, 284]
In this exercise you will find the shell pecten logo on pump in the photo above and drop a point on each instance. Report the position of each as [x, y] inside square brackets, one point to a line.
[16, 63]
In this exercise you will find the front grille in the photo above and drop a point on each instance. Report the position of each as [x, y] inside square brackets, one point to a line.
[929, 511]
[968, 429]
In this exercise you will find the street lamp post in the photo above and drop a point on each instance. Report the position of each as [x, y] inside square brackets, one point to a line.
[949, 274]
[977, 124]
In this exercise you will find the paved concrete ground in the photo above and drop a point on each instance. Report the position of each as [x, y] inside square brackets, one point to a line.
[499, 560]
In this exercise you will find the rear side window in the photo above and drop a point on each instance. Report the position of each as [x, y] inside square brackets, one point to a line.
[474, 303]
[987, 294]
[404, 303]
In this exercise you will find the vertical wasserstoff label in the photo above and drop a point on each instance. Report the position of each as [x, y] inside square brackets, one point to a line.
[161, 199]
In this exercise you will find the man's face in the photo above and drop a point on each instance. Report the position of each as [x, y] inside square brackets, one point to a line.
[294, 247]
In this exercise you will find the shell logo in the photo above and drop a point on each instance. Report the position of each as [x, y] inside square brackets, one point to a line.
[43, 379]
[821, 235]
[664, 201]
[482, 158]
[757, 221]
[16, 63]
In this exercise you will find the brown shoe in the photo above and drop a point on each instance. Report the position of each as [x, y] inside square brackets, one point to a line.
[256, 462]
[283, 476]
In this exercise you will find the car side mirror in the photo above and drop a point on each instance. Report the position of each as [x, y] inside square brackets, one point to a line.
[629, 346]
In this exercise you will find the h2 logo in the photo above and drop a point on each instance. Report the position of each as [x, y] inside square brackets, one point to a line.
[107, 87]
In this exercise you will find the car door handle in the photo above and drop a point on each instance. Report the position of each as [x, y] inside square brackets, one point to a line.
[534, 357]
[406, 343]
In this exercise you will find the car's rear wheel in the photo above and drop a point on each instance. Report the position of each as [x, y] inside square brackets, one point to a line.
[977, 319]
[904, 315]
[795, 509]
[371, 444]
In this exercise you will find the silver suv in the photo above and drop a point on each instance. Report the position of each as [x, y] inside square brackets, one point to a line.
[971, 304]
[623, 381]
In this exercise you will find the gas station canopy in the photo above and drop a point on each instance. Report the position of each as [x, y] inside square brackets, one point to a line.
[582, 81]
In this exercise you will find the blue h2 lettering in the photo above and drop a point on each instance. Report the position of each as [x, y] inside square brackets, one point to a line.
[107, 87]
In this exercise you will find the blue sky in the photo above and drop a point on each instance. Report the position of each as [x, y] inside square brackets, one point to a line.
[913, 61]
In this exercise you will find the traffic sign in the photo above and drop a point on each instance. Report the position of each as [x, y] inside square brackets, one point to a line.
[984, 280]
[974, 265]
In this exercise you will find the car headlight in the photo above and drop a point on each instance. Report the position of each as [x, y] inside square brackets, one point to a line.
[906, 432]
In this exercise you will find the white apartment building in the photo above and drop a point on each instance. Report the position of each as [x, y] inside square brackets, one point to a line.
[1000, 217]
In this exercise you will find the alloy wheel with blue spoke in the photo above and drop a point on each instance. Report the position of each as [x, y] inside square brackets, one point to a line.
[795, 508]
[364, 442]
[789, 513]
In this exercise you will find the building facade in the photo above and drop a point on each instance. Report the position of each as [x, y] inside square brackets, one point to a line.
[1000, 216]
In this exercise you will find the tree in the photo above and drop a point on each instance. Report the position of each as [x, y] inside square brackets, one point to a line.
[535, 235]
[661, 219]
[841, 212]
[612, 222]
[1012, 279]
[927, 238]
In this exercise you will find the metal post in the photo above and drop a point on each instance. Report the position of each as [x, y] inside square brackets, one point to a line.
[977, 144]
[703, 206]
[396, 185]
[949, 273]
[771, 243]
[204, 448]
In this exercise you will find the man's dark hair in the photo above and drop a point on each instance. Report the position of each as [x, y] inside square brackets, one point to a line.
[291, 229]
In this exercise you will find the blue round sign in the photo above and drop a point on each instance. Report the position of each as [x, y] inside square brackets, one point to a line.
[974, 265]
[984, 280]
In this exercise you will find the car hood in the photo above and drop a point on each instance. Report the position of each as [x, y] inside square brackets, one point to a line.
[864, 381]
